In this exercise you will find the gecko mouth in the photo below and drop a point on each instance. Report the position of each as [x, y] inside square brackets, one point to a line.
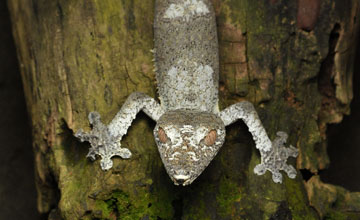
[181, 178]
[182, 181]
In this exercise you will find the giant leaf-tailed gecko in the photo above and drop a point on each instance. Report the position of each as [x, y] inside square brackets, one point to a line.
[190, 128]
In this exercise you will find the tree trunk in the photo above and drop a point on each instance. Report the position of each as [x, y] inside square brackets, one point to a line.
[292, 59]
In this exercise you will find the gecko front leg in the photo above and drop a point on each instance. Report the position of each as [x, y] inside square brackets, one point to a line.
[105, 140]
[273, 153]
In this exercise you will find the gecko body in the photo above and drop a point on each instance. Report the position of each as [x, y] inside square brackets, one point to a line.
[190, 128]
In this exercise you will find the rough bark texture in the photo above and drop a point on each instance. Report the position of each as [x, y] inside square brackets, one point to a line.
[292, 59]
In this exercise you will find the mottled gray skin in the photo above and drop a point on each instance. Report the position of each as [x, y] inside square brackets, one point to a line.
[185, 154]
[105, 140]
[190, 129]
[184, 50]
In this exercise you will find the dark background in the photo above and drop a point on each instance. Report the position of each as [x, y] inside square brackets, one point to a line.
[17, 188]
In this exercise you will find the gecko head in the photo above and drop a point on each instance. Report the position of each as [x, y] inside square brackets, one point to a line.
[187, 142]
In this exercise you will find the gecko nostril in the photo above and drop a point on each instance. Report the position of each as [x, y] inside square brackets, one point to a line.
[180, 181]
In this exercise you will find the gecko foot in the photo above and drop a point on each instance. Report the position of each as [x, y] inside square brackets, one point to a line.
[275, 159]
[102, 142]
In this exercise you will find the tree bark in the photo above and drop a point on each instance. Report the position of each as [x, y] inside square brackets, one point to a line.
[292, 59]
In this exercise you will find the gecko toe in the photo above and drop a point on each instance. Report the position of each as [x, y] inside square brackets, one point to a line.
[290, 170]
[124, 153]
[106, 163]
[79, 134]
[91, 154]
[94, 118]
[82, 136]
[277, 177]
[292, 151]
[282, 134]
[259, 169]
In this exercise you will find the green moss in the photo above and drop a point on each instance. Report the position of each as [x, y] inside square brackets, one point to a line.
[229, 193]
[311, 131]
[238, 11]
[125, 206]
[194, 205]
[296, 198]
[102, 209]
[334, 215]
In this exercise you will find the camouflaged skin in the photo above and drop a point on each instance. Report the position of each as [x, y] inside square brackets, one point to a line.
[185, 153]
[190, 129]
[186, 55]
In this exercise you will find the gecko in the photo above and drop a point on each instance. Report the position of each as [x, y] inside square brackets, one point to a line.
[190, 128]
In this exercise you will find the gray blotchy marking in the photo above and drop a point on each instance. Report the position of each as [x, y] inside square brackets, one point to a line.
[189, 50]
[185, 152]
[186, 54]
[186, 9]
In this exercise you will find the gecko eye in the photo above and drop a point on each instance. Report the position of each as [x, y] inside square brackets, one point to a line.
[162, 136]
[210, 138]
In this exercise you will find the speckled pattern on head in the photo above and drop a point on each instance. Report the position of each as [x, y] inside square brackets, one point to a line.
[190, 129]
[184, 151]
